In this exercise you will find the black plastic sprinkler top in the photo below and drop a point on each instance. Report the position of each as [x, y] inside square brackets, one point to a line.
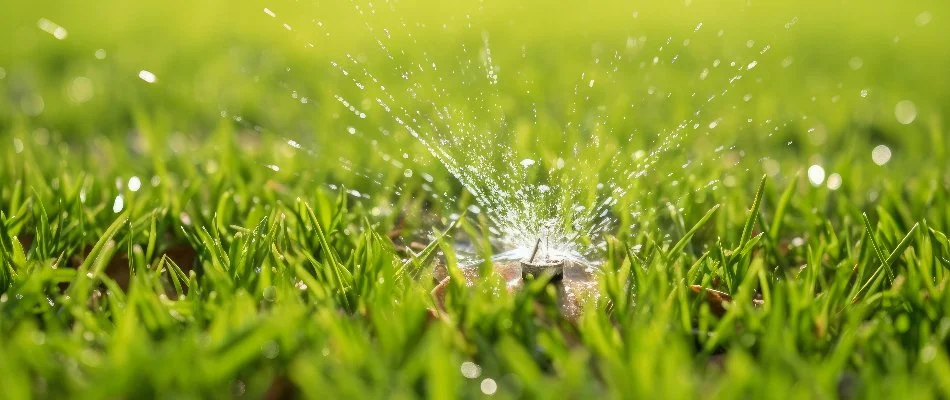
[533, 267]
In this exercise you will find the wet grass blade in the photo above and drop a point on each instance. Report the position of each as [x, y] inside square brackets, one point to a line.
[753, 214]
[876, 247]
[674, 252]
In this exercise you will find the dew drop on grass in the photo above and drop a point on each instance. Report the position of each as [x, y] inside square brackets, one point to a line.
[527, 162]
[816, 175]
[270, 293]
[135, 184]
[270, 350]
[905, 111]
[147, 76]
[855, 63]
[470, 370]
[80, 90]
[489, 386]
[923, 18]
[118, 204]
[881, 154]
[834, 181]
[52, 28]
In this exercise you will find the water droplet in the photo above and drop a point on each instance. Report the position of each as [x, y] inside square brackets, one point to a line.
[101, 54]
[881, 154]
[270, 349]
[32, 105]
[147, 76]
[269, 12]
[834, 181]
[905, 111]
[489, 386]
[855, 63]
[527, 162]
[790, 24]
[407, 173]
[135, 184]
[52, 28]
[270, 293]
[816, 175]
[470, 370]
[923, 18]
[118, 204]
[80, 90]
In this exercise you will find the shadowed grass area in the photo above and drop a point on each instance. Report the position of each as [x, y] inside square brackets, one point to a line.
[163, 240]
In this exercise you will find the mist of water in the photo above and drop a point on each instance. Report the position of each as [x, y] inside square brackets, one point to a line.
[536, 181]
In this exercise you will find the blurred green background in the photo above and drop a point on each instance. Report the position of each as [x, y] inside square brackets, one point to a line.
[210, 56]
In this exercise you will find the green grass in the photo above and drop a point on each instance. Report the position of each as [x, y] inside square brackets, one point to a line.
[221, 278]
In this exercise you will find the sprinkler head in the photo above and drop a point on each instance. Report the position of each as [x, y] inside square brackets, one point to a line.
[537, 268]
[574, 279]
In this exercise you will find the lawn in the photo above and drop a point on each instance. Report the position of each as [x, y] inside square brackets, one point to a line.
[230, 199]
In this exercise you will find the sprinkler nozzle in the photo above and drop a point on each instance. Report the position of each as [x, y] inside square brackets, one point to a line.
[535, 251]
[537, 268]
